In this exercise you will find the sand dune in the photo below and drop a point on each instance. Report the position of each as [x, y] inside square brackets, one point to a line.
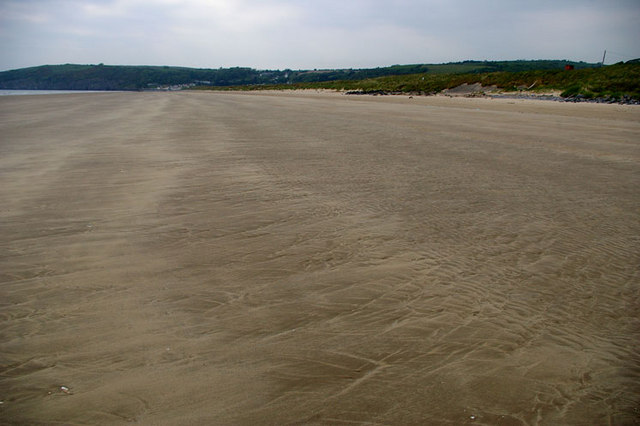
[302, 258]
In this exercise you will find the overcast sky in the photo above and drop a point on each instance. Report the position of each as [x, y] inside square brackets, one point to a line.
[307, 34]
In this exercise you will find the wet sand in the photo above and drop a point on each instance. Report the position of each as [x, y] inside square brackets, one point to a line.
[303, 258]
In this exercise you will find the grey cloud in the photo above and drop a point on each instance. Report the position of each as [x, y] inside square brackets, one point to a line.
[311, 34]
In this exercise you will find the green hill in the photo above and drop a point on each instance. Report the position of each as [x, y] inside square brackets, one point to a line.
[585, 80]
[118, 77]
[612, 81]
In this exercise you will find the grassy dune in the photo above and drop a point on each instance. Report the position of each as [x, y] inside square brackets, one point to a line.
[613, 81]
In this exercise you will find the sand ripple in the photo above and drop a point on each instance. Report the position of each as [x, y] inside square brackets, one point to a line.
[210, 258]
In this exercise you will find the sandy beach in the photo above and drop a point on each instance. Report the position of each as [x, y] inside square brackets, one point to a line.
[210, 258]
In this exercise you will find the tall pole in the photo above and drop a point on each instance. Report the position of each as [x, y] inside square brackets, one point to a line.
[605, 54]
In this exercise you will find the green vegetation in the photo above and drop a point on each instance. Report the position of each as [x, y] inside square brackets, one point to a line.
[612, 81]
[586, 80]
[105, 77]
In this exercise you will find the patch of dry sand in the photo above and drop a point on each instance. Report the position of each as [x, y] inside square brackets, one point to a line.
[233, 258]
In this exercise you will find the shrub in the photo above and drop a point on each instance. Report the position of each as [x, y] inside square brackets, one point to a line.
[572, 90]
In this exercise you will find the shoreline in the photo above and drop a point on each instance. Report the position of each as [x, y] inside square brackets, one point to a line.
[543, 96]
[521, 95]
[450, 93]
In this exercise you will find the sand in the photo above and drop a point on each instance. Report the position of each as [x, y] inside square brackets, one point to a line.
[317, 258]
